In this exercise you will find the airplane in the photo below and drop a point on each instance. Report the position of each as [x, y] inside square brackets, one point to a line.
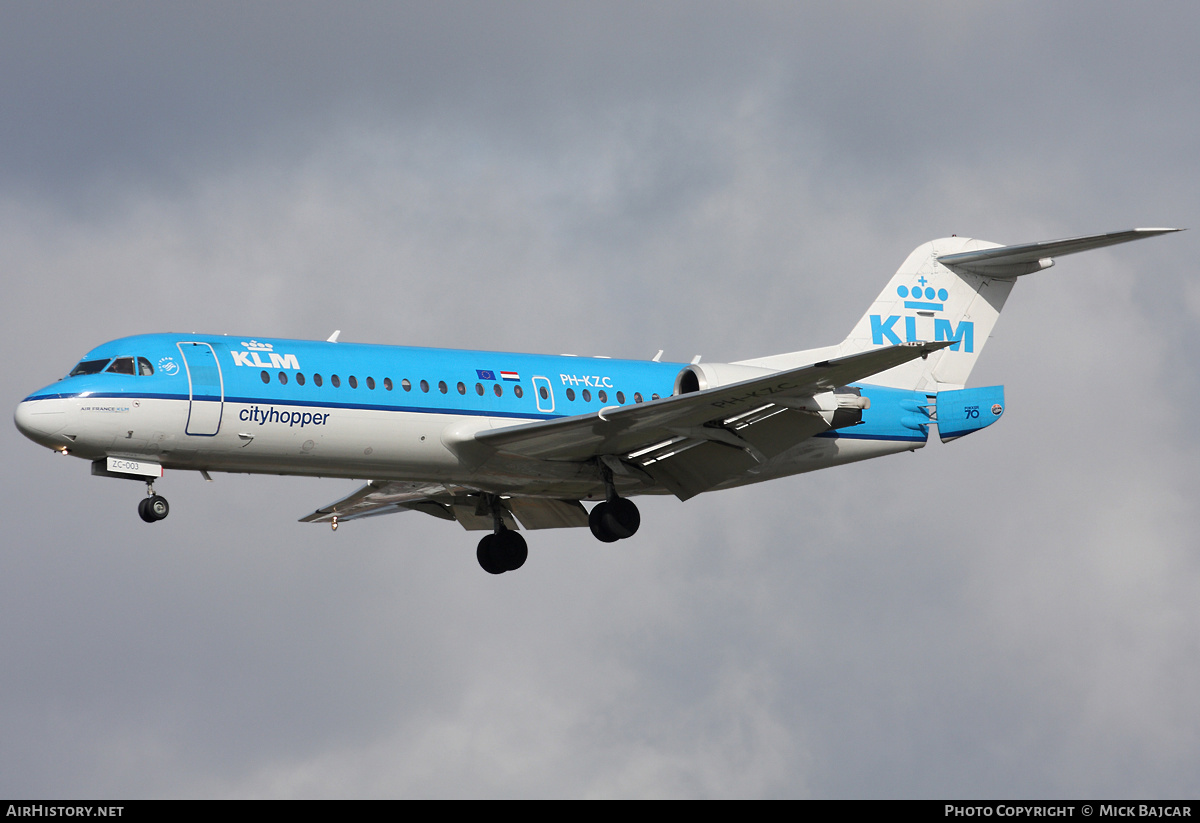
[488, 439]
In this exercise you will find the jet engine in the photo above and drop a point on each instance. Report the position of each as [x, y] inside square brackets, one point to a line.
[701, 376]
[839, 408]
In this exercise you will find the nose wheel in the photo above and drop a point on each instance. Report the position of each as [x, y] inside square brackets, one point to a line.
[153, 507]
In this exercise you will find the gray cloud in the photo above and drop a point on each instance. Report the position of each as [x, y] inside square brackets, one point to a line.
[1011, 615]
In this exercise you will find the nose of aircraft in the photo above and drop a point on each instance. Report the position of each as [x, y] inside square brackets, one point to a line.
[40, 420]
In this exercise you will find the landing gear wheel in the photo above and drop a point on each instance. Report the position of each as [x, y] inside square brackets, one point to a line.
[153, 508]
[504, 551]
[488, 557]
[621, 517]
[144, 510]
[511, 549]
[614, 520]
[157, 507]
[596, 524]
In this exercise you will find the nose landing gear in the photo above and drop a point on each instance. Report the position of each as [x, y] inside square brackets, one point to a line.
[153, 507]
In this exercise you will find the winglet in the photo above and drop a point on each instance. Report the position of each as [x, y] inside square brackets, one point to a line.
[333, 337]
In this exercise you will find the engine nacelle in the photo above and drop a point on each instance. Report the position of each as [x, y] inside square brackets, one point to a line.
[701, 376]
[839, 408]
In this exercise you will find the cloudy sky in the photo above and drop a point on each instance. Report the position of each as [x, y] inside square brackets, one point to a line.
[1012, 615]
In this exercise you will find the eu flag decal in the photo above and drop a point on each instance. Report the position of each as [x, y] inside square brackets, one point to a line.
[486, 374]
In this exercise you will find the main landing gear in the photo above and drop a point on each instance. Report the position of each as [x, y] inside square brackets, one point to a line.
[153, 507]
[617, 517]
[614, 519]
[504, 550]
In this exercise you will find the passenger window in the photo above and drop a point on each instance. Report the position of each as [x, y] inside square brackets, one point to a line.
[387, 383]
[621, 397]
[637, 397]
[405, 384]
[371, 383]
[442, 386]
[122, 365]
[545, 395]
[336, 381]
[265, 377]
[299, 378]
[462, 388]
[518, 391]
[353, 381]
[317, 379]
[603, 395]
[497, 389]
[283, 378]
[479, 389]
[654, 396]
[424, 385]
[144, 367]
[587, 395]
[570, 394]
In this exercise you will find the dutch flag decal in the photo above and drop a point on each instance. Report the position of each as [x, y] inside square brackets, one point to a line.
[510, 375]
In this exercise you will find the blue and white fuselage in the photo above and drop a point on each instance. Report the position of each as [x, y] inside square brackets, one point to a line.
[265, 405]
[491, 439]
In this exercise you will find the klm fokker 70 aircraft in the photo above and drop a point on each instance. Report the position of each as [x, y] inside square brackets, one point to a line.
[492, 439]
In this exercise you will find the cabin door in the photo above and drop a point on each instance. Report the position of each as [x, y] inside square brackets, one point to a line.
[206, 390]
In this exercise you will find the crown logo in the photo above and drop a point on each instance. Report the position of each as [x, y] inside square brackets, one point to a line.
[254, 345]
[921, 295]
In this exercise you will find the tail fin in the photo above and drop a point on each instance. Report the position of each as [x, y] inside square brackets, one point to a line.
[954, 289]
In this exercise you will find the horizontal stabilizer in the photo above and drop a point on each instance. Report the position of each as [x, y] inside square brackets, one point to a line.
[1013, 261]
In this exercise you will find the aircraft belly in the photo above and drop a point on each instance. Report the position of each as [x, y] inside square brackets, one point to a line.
[300, 440]
[375, 444]
[388, 445]
[155, 429]
[329, 441]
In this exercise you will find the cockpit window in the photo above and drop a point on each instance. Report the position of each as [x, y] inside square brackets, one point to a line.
[122, 365]
[89, 367]
[144, 367]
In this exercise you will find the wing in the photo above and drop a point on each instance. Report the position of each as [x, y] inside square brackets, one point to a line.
[384, 498]
[693, 442]
[464, 505]
[685, 443]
